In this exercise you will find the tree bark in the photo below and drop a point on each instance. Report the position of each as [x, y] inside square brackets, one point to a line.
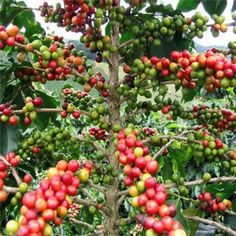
[111, 228]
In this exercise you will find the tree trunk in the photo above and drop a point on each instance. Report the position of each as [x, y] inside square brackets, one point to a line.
[110, 222]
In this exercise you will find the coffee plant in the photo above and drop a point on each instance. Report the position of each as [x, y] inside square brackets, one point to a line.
[144, 147]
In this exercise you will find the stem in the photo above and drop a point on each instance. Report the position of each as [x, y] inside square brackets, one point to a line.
[91, 203]
[157, 154]
[201, 181]
[10, 189]
[213, 223]
[97, 187]
[13, 170]
[179, 196]
[46, 110]
[81, 223]
[114, 118]
[230, 212]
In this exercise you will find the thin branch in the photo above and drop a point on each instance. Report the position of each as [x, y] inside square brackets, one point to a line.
[79, 222]
[213, 223]
[121, 199]
[97, 187]
[133, 113]
[126, 43]
[14, 173]
[230, 212]
[157, 154]
[45, 110]
[9, 189]
[109, 61]
[87, 193]
[121, 193]
[169, 143]
[91, 203]
[201, 181]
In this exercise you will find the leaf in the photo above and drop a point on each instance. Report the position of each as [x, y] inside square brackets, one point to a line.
[9, 138]
[186, 5]
[217, 8]
[193, 225]
[230, 221]
[44, 118]
[126, 36]
[166, 171]
[164, 9]
[234, 7]
[224, 190]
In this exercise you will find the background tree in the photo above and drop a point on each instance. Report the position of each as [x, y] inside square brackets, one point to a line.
[130, 155]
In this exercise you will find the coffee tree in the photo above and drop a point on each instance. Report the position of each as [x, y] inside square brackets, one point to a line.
[144, 151]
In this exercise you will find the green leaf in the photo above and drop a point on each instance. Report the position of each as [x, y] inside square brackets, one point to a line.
[224, 190]
[164, 9]
[44, 118]
[193, 226]
[166, 171]
[9, 138]
[217, 8]
[234, 7]
[186, 5]
[126, 36]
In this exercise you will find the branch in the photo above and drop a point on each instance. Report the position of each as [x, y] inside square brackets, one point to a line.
[201, 181]
[97, 187]
[91, 203]
[157, 154]
[133, 113]
[81, 223]
[94, 143]
[230, 212]
[126, 43]
[10, 189]
[121, 199]
[172, 139]
[121, 193]
[87, 193]
[41, 110]
[213, 223]
[14, 173]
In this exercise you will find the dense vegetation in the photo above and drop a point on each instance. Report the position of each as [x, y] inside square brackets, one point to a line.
[146, 151]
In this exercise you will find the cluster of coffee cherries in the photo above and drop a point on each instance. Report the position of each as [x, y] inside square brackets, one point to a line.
[147, 194]
[57, 60]
[30, 110]
[210, 205]
[29, 74]
[43, 143]
[69, 108]
[99, 82]
[206, 145]
[219, 25]
[149, 131]
[73, 210]
[49, 202]
[98, 133]
[74, 16]
[10, 36]
[7, 115]
[212, 67]
[79, 98]
[12, 160]
[220, 118]
[54, 62]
